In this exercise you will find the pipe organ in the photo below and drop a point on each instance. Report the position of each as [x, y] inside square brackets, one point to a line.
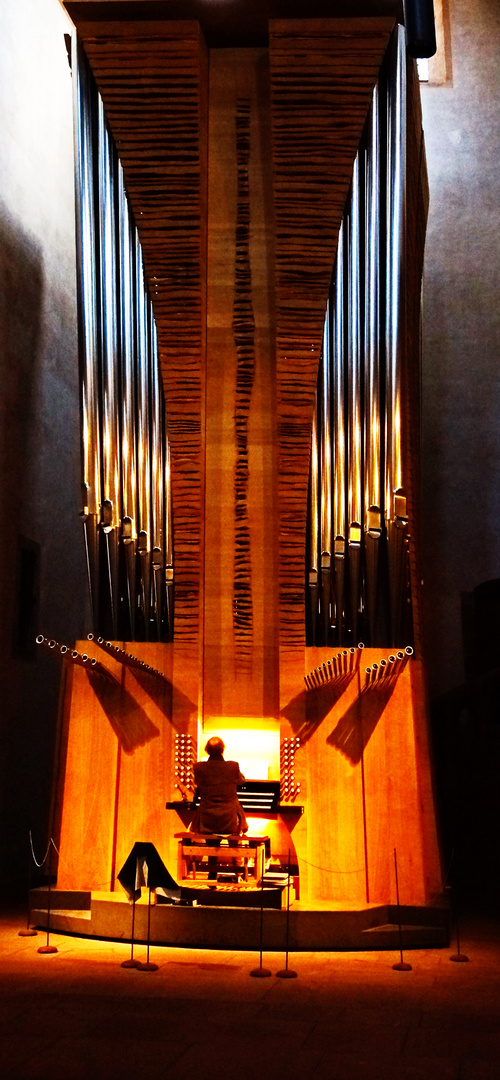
[126, 511]
[358, 574]
[277, 214]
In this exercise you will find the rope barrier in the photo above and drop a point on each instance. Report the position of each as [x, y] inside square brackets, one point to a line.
[325, 870]
[44, 860]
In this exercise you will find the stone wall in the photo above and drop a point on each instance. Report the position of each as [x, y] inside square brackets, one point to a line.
[461, 361]
[42, 578]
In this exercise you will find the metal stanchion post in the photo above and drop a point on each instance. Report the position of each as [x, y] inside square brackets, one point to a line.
[261, 972]
[131, 963]
[401, 966]
[286, 972]
[48, 948]
[147, 966]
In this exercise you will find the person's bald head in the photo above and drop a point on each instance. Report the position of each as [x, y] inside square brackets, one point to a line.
[215, 747]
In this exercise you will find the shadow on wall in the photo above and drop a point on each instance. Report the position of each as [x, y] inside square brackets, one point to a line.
[21, 295]
[25, 750]
[355, 728]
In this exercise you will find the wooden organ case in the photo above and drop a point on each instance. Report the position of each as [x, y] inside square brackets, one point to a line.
[239, 164]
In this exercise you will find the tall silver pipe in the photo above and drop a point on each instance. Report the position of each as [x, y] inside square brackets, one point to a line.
[372, 409]
[326, 480]
[110, 501]
[85, 164]
[355, 425]
[339, 441]
[157, 488]
[143, 452]
[128, 406]
[169, 544]
[314, 530]
[394, 337]
[109, 334]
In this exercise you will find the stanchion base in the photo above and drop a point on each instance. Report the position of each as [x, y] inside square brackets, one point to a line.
[401, 966]
[47, 949]
[27, 933]
[130, 963]
[260, 973]
[459, 958]
[147, 966]
[286, 973]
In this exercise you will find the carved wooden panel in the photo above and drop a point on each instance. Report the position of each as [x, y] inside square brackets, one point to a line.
[322, 77]
[244, 334]
[152, 77]
[240, 663]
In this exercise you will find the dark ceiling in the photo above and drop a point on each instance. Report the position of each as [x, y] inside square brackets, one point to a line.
[230, 23]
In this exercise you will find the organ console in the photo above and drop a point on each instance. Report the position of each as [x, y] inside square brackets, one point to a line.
[250, 354]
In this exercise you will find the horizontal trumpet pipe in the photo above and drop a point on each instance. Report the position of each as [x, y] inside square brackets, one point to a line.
[125, 657]
[335, 667]
[399, 662]
[382, 670]
[50, 643]
[403, 657]
[68, 653]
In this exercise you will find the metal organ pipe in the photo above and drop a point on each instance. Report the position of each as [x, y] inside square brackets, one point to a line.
[125, 447]
[394, 341]
[357, 443]
[84, 103]
[157, 602]
[372, 433]
[326, 483]
[339, 440]
[127, 241]
[313, 530]
[168, 621]
[143, 455]
[110, 501]
[354, 440]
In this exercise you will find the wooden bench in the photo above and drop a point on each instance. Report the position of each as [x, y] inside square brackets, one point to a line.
[235, 851]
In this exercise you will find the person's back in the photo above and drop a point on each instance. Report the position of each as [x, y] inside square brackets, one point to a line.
[220, 810]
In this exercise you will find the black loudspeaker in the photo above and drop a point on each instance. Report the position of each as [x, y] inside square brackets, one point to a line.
[420, 28]
[27, 598]
[487, 625]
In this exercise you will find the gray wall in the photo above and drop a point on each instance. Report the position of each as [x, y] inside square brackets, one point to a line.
[39, 410]
[461, 361]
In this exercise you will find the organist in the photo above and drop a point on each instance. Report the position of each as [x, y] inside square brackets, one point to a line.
[220, 810]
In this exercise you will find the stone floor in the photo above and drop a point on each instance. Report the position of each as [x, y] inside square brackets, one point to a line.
[77, 1014]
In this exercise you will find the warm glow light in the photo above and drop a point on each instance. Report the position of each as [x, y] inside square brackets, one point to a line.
[256, 750]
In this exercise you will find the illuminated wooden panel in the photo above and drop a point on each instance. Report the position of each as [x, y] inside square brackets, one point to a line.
[152, 77]
[363, 765]
[118, 766]
[146, 772]
[322, 77]
[87, 789]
